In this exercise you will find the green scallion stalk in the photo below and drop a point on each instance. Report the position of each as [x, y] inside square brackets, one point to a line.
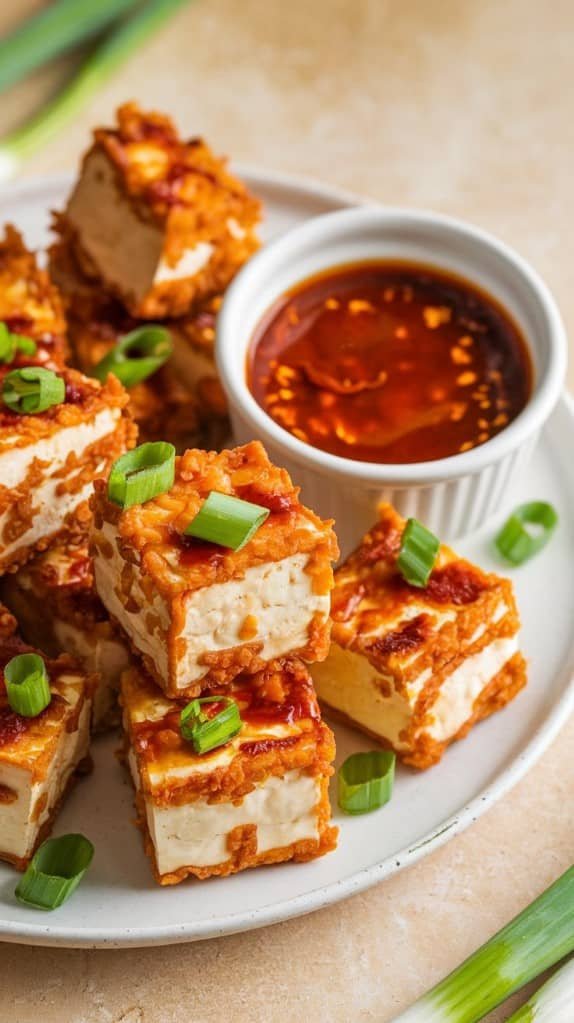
[204, 732]
[137, 355]
[553, 1002]
[102, 64]
[55, 871]
[27, 685]
[365, 781]
[142, 474]
[535, 940]
[419, 548]
[52, 31]
[227, 521]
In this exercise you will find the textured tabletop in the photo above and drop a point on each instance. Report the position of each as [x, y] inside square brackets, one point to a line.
[462, 106]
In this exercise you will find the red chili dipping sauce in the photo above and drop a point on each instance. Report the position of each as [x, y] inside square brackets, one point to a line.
[389, 362]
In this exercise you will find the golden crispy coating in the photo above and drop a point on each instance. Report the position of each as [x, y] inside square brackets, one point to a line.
[176, 564]
[21, 499]
[281, 731]
[410, 665]
[31, 744]
[29, 303]
[371, 605]
[187, 193]
[169, 405]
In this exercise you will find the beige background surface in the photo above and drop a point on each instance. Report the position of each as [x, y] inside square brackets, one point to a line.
[463, 106]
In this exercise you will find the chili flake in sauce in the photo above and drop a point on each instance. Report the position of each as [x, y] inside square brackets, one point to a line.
[389, 362]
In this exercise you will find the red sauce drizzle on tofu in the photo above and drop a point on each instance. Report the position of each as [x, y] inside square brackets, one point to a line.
[389, 362]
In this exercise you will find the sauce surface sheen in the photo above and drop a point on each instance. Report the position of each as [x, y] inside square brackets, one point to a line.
[389, 362]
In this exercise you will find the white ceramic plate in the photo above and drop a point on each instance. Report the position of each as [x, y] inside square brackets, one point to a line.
[119, 904]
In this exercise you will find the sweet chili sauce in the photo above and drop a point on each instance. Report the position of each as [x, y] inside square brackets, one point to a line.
[389, 362]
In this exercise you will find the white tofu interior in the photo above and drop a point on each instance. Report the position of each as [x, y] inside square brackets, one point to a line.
[196, 834]
[125, 250]
[349, 683]
[279, 595]
[51, 508]
[19, 820]
[108, 657]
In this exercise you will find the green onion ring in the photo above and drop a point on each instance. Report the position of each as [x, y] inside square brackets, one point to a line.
[142, 474]
[55, 871]
[32, 389]
[227, 521]
[27, 685]
[137, 355]
[206, 733]
[515, 542]
[11, 344]
[419, 548]
[365, 781]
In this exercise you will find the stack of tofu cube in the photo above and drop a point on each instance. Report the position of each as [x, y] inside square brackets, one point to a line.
[154, 230]
[207, 621]
[48, 461]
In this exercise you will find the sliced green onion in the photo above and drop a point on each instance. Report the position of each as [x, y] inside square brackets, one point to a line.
[553, 1002]
[52, 31]
[100, 65]
[142, 474]
[27, 685]
[227, 521]
[137, 355]
[419, 548]
[516, 541]
[535, 940]
[206, 733]
[11, 344]
[32, 389]
[55, 871]
[365, 781]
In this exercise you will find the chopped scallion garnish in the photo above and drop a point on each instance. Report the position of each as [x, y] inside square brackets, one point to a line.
[419, 548]
[535, 940]
[227, 521]
[32, 389]
[11, 344]
[526, 531]
[142, 474]
[207, 732]
[365, 781]
[137, 355]
[55, 871]
[27, 685]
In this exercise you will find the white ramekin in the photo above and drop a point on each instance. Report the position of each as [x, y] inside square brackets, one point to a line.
[453, 495]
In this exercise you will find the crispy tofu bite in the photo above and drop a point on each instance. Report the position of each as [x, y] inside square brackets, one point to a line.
[416, 667]
[261, 796]
[30, 305]
[40, 754]
[183, 401]
[54, 600]
[58, 431]
[197, 612]
[160, 221]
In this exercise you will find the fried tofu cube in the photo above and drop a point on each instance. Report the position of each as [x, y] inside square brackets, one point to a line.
[261, 798]
[183, 402]
[30, 304]
[48, 462]
[39, 756]
[159, 221]
[416, 667]
[197, 613]
[54, 600]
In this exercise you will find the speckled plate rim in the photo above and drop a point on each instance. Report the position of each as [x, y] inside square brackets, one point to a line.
[322, 896]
